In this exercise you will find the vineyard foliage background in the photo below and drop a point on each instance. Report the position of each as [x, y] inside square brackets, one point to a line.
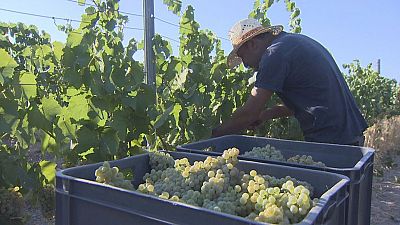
[85, 100]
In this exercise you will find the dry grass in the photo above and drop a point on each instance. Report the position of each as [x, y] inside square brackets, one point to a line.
[384, 137]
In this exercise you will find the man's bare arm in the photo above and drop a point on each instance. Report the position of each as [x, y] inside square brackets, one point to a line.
[277, 111]
[246, 115]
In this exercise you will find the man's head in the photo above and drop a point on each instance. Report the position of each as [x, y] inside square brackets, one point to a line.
[252, 50]
[248, 38]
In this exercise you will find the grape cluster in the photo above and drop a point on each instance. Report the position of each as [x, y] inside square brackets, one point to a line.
[161, 160]
[271, 153]
[305, 160]
[267, 152]
[107, 175]
[217, 184]
[11, 204]
[275, 182]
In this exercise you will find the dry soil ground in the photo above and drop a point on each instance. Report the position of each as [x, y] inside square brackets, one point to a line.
[385, 207]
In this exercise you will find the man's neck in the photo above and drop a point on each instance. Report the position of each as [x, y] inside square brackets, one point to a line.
[269, 39]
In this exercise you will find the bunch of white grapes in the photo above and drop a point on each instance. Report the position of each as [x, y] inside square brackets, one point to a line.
[267, 152]
[271, 153]
[305, 160]
[275, 182]
[111, 176]
[161, 161]
[217, 184]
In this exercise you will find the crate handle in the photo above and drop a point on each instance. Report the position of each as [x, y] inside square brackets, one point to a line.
[63, 190]
[365, 168]
[346, 196]
[328, 211]
[65, 185]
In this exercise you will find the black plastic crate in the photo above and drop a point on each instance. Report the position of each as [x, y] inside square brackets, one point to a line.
[351, 161]
[82, 201]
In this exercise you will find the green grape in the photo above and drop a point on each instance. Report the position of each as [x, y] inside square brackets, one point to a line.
[175, 198]
[238, 188]
[164, 195]
[271, 199]
[294, 209]
[243, 200]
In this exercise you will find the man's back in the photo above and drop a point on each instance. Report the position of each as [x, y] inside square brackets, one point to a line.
[305, 76]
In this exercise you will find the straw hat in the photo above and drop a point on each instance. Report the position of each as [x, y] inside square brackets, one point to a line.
[243, 31]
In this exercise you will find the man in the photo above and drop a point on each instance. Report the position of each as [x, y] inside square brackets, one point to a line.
[306, 78]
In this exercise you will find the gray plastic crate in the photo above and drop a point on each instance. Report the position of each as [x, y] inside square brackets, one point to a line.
[82, 201]
[351, 161]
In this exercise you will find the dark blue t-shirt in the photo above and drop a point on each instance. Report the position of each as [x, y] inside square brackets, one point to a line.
[305, 76]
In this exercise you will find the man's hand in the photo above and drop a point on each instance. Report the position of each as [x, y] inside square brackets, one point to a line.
[264, 116]
[271, 113]
[216, 132]
[245, 115]
[255, 125]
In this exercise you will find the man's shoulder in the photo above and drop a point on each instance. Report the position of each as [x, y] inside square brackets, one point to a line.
[292, 38]
[284, 46]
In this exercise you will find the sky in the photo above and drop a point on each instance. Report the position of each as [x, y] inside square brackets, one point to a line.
[365, 30]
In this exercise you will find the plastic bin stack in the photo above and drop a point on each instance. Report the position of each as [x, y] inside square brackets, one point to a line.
[351, 161]
[82, 201]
